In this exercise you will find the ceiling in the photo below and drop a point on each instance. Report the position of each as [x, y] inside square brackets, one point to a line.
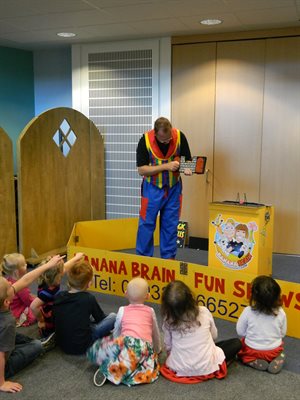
[33, 24]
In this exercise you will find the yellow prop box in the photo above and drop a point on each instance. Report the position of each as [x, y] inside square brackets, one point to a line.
[241, 237]
[224, 292]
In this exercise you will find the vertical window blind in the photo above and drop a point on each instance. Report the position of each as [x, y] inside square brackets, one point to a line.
[120, 105]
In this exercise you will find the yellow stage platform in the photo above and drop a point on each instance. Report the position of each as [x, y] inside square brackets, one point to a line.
[223, 291]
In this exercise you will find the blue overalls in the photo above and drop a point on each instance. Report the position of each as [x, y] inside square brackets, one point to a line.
[161, 193]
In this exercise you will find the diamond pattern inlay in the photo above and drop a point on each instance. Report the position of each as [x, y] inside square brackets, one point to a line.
[65, 138]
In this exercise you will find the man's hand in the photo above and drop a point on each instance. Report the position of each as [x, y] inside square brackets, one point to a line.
[173, 166]
[188, 172]
[11, 387]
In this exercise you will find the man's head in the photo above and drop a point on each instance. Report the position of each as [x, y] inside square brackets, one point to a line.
[163, 130]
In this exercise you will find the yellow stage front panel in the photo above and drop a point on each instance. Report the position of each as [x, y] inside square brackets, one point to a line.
[224, 292]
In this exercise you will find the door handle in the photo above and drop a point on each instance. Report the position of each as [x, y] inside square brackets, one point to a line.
[206, 175]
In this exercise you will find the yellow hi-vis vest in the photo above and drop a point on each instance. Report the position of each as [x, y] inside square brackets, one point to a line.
[165, 178]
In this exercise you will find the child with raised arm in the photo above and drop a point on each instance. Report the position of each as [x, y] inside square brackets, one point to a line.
[48, 288]
[189, 334]
[73, 310]
[16, 350]
[263, 326]
[13, 268]
[130, 355]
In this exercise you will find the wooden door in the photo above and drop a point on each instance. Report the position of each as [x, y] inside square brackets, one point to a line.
[280, 182]
[193, 98]
[8, 236]
[61, 178]
[239, 116]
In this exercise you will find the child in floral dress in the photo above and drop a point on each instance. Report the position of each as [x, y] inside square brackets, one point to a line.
[129, 356]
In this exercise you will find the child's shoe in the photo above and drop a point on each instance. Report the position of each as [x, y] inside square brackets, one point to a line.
[261, 365]
[276, 365]
[49, 342]
[99, 378]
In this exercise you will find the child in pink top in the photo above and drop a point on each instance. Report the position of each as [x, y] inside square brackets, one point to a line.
[14, 267]
[189, 335]
[129, 356]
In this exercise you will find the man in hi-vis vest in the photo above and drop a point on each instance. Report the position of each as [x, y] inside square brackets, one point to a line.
[161, 186]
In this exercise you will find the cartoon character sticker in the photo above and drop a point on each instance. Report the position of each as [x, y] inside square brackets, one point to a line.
[234, 242]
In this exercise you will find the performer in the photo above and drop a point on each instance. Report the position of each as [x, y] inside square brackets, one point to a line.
[161, 186]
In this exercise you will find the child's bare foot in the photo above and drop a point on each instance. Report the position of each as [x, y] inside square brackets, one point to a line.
[11, 387]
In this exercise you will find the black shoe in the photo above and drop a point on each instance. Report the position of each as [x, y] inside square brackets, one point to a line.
[49, 342]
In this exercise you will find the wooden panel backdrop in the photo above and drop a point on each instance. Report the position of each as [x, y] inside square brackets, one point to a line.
[193, 99]
[55, 190]
[238, 129]
[8, 236]
[251, 134]
[281, 141]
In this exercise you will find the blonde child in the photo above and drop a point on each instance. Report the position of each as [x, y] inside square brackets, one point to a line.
[189, 334]
[129, 356]
[16, 350]
[263, 326]
[73, 310]
[14, 267]
[48, 288]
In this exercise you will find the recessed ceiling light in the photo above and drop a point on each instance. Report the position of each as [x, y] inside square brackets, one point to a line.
[211, 21]
[66, 34]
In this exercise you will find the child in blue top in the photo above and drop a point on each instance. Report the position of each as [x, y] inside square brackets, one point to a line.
[48, 288]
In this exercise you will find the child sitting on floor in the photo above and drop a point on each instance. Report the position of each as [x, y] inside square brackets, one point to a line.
[73, 309]
[263, 326]
[130, 355]
[14, 267]
[16, 350]
[189, 334]
[48, 287]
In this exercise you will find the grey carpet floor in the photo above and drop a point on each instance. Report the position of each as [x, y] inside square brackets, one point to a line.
[59, 376]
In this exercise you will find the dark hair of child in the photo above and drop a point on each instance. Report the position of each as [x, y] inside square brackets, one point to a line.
[265, 295]
[179, 307]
